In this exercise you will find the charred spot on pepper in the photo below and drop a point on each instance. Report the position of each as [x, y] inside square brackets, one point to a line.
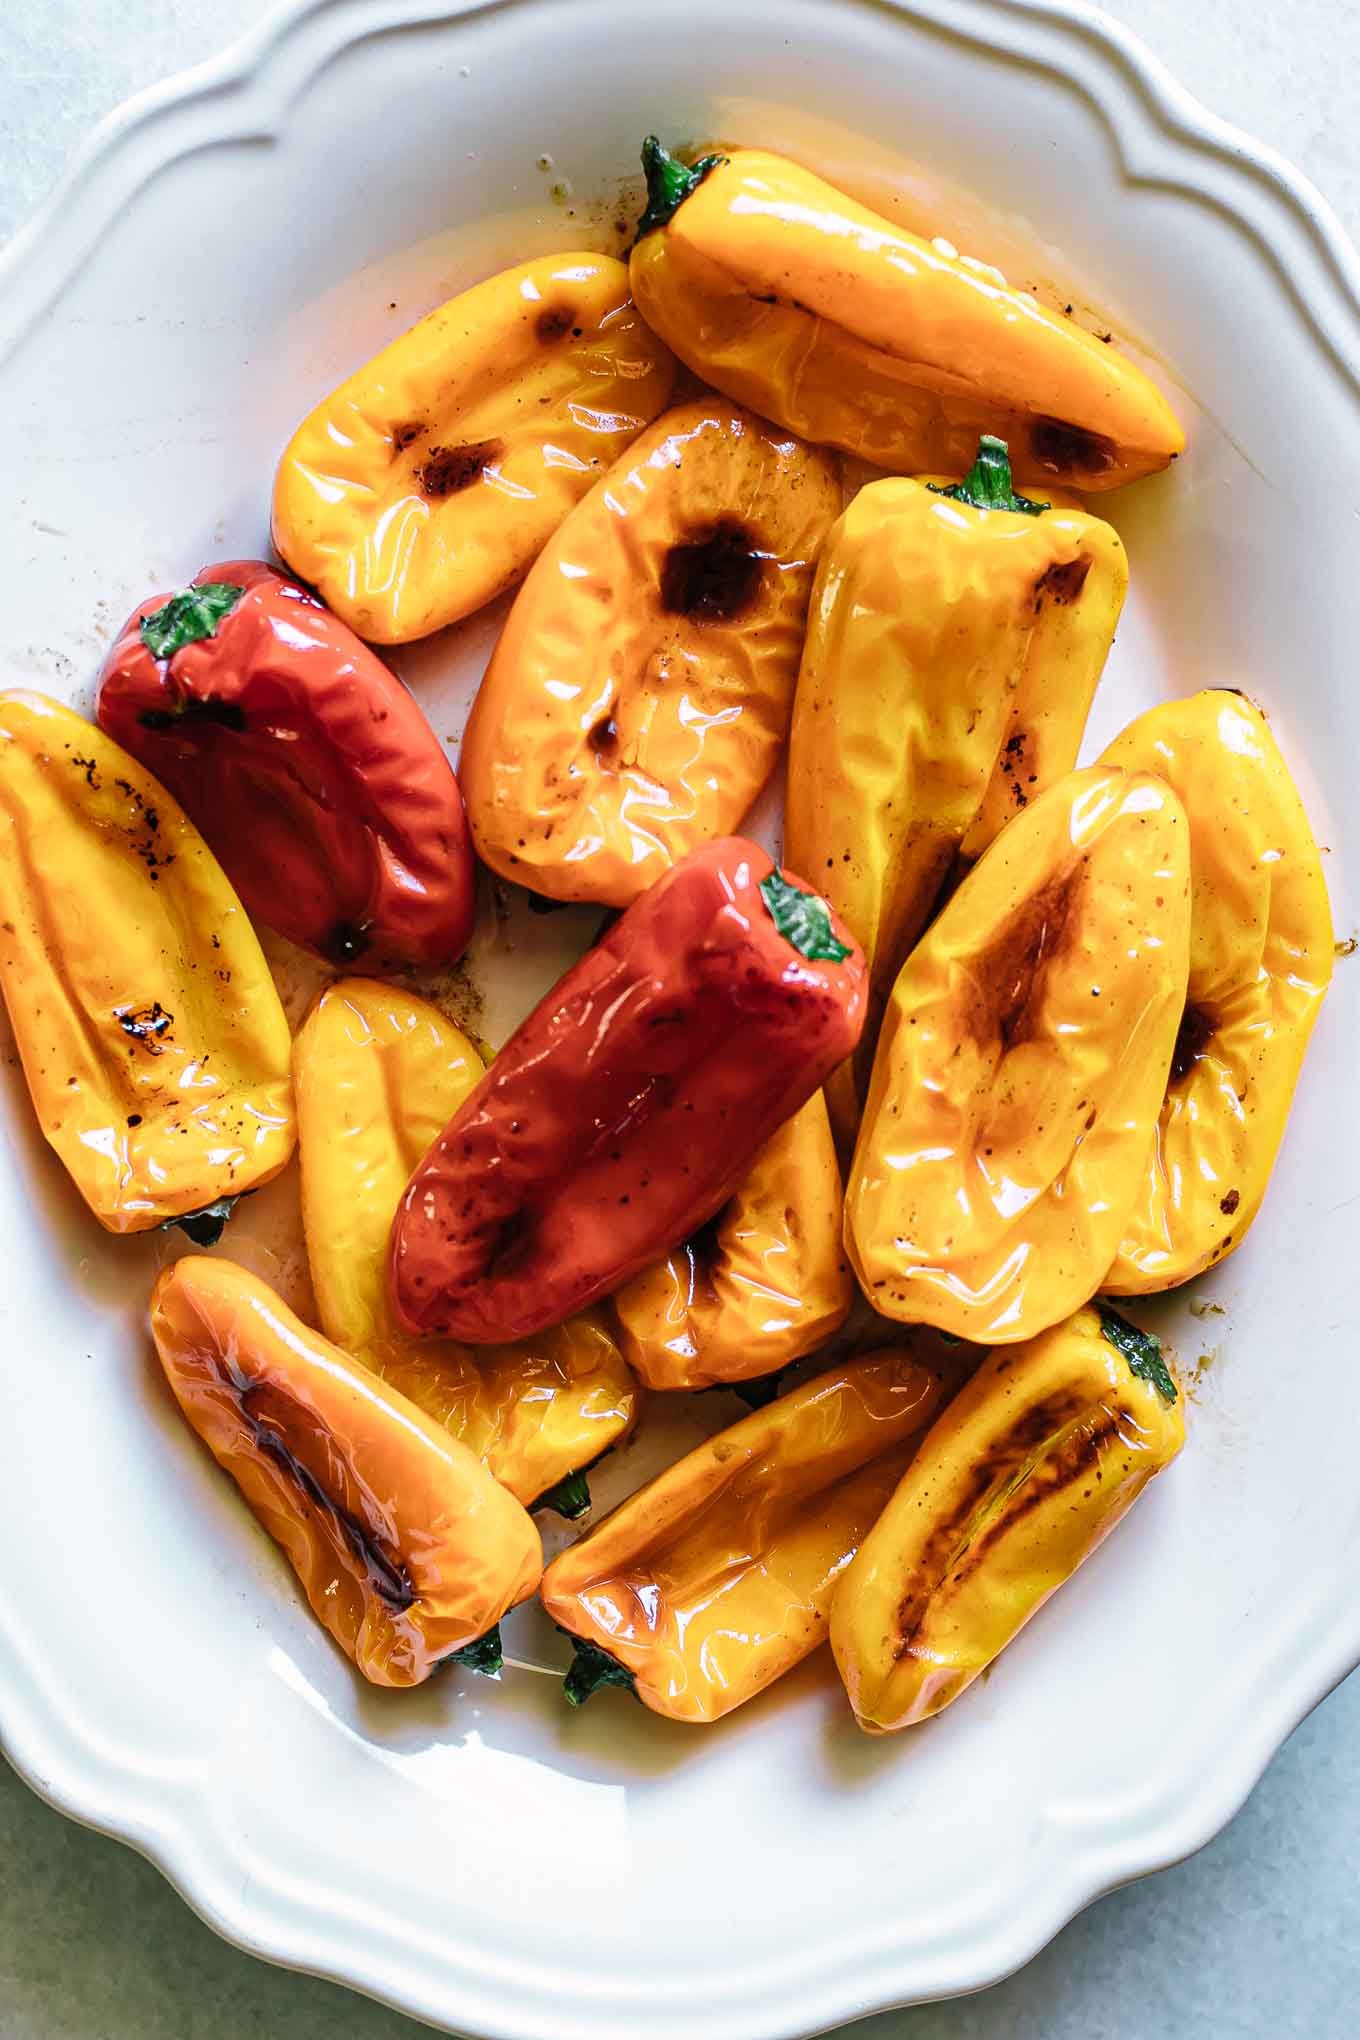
[146, 1026]
[1010, 974]
[1193, 1036]
[1063, 448]
[713, 575]
[1063, 582]
[1228, 1205]
[227, 715]
[554, 322]
[604, 736]
[404, 436]
[449, 469]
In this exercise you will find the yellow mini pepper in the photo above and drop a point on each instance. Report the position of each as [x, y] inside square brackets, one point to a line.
[955, 639]
[1261, 954]
[1031, 1465]
[427, 482]
[1022, 1064]
[378, 1073]
[764, 1283]
[152, 1037]
[640, 693]
[717, 1577]
[791, 298]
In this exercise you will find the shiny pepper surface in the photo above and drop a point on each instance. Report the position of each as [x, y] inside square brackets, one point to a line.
[151, 1034]
[1022, 1064]
[641, 690]
[406, 1547]
[791, 298]
[625, 1110]
[307, 765]
[1031, 1465]
[378, 1072]
[953, 649]
[764, 1283]
[426, 484]
[717, 1577]
[1260, 963]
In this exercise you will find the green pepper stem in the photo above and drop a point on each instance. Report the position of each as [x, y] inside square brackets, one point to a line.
[987, 484]
[205, 1226]
[570, 1497]
[483, 1654]
[1141, 1350]
[669, 182]
[590, 1669]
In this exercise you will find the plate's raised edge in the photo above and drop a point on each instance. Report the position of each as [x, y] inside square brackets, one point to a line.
[1165, 138]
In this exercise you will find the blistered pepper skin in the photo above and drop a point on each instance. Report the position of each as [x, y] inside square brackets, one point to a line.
[151, 1034]
[378, 1071]
[951, 657]
[1015, 1484]
[1261, 951]
[717, 1577]
[1022, 1064]
[625, 1110]
[762, 1285]
[792, 298]
[312, 773]
[641, 690]
[405, 1546]
[426, 484]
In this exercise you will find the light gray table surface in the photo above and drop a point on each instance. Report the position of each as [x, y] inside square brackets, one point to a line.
[1259, 1935]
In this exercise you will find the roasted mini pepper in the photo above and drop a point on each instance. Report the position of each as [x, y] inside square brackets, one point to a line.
[1261, 954]
[151, 1035]
[765, 1282]
[307, 765]
[427, 482]
[625, 1110]
[791, 298]
[407, 1549]
[378, 1072]
[1031, 1465]
[1022, 1064]
[954, 643]
[641, 689]
[717, 1577]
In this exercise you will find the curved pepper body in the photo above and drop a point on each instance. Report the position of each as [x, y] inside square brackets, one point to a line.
[1261, 954]
[951, 657]
[1032, 1464]
[640, 692]
[791, 298]
[717, 1577]
[427, 482]
[1022, 1064]
[311, 771]
[405, 1546]
[378, 1072]
[151, 1034]
[625, 1110]
[766, 1282]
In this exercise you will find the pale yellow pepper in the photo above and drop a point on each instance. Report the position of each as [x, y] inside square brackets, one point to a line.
[790, 297]
[1261, 951]
[152, 1036]
[1016, 1483]
[379, 1072]
[428, 481]
[766, 1282]
[1022, 1064]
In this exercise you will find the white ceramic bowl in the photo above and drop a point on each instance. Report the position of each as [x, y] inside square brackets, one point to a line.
[474, 1853]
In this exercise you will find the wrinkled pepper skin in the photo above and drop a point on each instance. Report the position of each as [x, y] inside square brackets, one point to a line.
[1022, 1064]
[625, 1110]
[378, 1072]
[951, 658]
[717, 1577]
[1030, 1466]
[152, 1037]
[406, 1548]
[766, 1282]
[641, 690]
[1261, 951]
[427, 483]
[309, 768]
[790, 297]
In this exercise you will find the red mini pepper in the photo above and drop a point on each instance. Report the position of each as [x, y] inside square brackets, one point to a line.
[625, 1110]
[315, 778]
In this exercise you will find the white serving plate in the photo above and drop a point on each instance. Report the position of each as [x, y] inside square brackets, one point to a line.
[474, 1854]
